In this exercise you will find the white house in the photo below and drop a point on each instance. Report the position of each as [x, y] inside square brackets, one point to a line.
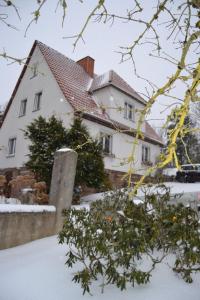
[52, 84]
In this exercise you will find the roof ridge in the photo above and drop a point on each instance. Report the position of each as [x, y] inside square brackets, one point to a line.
[111, 77]
[50, 48]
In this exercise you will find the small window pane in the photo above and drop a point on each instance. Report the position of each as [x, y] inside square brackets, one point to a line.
[106, 143]
[22, 111]
[145, 154]
[11, 146]
[130, 112]
[125, 110]
[37, 101]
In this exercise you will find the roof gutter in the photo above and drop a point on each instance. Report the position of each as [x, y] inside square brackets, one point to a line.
[112, 125]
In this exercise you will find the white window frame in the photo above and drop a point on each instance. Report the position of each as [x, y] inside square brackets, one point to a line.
[125, 110]
[23, 106]
[103, 139]
[129, 111]
[13, 148]
[146, 154]
[37, 101]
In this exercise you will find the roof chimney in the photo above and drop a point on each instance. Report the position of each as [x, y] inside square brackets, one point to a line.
[88, 65]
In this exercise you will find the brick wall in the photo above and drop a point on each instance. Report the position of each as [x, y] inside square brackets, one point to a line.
[117, 178]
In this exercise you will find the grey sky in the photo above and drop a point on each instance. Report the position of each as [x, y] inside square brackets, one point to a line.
[101, 42]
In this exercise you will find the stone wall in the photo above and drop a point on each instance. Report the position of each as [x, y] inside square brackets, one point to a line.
[117, 178]
[20, 227]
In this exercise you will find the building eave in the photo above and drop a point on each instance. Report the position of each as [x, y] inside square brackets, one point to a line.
[120, 127]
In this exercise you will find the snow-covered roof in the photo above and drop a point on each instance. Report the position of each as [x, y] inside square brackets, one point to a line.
[112, 78]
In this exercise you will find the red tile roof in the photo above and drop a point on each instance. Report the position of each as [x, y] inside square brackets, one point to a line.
[71, 77]
[77, 86]
[151, 133]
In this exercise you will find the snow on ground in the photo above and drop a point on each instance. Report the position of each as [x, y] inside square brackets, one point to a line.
[175, 187]
[170, 171]
[37, 271]
[10, 208]
[4, 200]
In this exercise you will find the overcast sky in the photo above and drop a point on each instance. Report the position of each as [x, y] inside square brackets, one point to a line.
[102, 42]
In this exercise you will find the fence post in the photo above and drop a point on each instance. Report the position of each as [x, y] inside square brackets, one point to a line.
[62, 182]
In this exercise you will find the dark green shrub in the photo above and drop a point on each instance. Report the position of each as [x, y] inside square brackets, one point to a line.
[90, 166]
[45, 136]
[115, 237]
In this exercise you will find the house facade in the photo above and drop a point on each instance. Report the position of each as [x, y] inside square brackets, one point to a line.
[52, 84]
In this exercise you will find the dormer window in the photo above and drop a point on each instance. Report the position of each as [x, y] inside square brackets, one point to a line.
[129, 111]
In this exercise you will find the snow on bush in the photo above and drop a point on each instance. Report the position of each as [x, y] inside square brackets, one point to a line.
[116, 236]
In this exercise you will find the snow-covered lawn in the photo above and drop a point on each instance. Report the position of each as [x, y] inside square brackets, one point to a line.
[37, 271]
[175, 188]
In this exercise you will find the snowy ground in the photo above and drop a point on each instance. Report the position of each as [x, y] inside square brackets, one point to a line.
[175, 188]
[36, 271]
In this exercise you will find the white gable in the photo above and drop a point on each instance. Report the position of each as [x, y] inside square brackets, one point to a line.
[52, 102]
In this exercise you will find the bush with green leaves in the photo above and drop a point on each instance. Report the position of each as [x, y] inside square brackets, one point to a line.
[48, 135]
[45, 137]
[116, 237]
[90, 166]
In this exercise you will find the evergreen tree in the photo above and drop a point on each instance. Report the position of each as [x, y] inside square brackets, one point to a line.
[90, 167]
[187, 144]
[46, 136]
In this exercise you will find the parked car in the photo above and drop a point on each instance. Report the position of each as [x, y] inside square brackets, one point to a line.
[188, 173]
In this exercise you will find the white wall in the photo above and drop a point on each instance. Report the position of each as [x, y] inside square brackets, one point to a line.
[51, 103]
[122, 147]
[113, 99]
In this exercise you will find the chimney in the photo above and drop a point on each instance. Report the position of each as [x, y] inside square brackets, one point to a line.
[88, 65]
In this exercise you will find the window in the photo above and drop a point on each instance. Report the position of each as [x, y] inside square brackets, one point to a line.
[106, 142]
[11, 146]
[37, 101]
[145, 154]
[22, 110]
[34, 69]
[128, 111]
